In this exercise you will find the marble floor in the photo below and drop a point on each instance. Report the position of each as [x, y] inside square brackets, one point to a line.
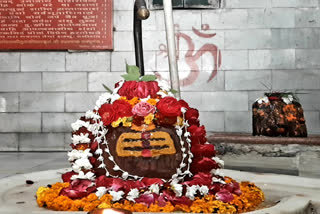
[12, 163]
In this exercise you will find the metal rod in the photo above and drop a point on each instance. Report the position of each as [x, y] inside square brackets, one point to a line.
[173, 67]
[140, 12]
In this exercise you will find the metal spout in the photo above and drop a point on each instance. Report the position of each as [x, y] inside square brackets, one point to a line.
[140, 13]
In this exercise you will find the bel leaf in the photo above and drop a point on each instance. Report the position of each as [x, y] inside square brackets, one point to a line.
[149, 78]
[130, 77]
[108, 89]
[132, 69]
[173, 91]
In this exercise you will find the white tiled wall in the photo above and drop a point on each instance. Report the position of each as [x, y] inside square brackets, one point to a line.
[265, 45]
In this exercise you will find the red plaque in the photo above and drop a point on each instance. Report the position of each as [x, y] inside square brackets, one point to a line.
[56, 24]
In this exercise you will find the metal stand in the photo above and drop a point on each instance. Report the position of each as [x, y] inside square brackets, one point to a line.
[140, 13]
[171, 43]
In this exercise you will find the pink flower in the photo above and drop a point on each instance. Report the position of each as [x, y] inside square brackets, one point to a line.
[78, 189]
[143, 109]
[224, 196]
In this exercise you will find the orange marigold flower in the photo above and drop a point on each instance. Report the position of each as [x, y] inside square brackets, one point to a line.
[152, 102]
[82, 146]
[134, 101]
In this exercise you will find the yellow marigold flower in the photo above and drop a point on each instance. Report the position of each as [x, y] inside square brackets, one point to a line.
[148, 119]
[115, 124]
[124, 120]
[152, 101]
[104, 205]
[179, 121]
[123, 98]
[127, 122]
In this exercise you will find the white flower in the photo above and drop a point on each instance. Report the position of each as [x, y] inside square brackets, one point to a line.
[115, 91]
[98, 152]
[78, 124]
[100, 158]
[162, 94]
[218, 180]
[125, 175]
[133, 194]
[177, 188]
[288, 99]
[145, 99]
[78, 154]
[114, 97]
[192, 191]
[218, 172]
[91, 115]
[81, 175]
[179, 131]
[102, 165]
[163, 85]
[183, 109]
[187, 134]
[218, 161]
[154, 188]
[116, 196]
[76, 139]
[81, 163]
[263, 99]
[204, 190]
[101, 191]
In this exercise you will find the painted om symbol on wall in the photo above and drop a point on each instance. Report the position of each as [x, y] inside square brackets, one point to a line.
[191, 56]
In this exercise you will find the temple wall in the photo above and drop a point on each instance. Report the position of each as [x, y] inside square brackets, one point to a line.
[265, 45]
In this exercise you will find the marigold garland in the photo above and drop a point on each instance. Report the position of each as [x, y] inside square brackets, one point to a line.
[251, 198]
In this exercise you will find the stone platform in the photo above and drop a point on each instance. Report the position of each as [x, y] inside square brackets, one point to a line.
[284, 194]
[292, 156]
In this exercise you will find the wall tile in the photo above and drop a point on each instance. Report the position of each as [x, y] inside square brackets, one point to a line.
[9, 142]
[9, 61]
[65, 81]
[59, 122]
[42, 142]
[81, 102]
[88, 61]
[41, 102]
[14, 82]
[43, 61]
[20, 122]
[9, 102]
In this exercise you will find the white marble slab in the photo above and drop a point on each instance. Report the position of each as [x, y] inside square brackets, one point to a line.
[296, 194]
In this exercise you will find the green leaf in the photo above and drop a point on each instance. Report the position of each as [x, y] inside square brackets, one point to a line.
[173, 91]
[132, 69]
[108, 89]
[133, 73]
[148, 78]
[130, 77]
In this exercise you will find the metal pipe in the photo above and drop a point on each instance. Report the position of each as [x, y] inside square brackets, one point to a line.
[140, 12]
[173, 67]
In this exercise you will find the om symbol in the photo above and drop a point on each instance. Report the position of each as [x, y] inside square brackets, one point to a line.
[191, 56]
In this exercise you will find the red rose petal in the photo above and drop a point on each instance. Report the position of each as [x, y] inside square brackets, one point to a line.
[224, 196]
[145, 135]
[150, 181]
[146, 153]
[66, 177]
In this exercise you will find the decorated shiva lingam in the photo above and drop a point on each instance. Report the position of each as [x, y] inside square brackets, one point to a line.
[141, 149]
